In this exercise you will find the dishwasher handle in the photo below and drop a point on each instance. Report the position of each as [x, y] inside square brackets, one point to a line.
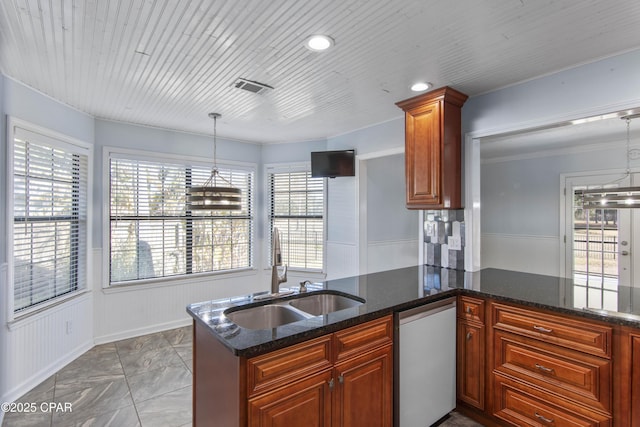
[428, 309]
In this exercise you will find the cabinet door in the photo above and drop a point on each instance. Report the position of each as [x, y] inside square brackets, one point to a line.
[423, 155]
[302, 403]
[470, 370]
[364, 390]
[635, 380]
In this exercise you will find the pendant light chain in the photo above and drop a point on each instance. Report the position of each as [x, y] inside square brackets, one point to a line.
[628, 145]
[215, 117]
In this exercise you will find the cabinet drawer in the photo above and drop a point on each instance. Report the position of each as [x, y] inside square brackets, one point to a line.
[353, 341]
[576, 376]
[471, 309]
[520, 406]
[588, 337]
[283, 366]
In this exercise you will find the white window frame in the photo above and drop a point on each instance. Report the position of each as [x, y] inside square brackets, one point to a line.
[288, 168]
[132, 154]
[62, 141]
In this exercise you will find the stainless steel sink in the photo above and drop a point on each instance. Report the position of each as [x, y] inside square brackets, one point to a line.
[318, 304]
[265, 316]
[281, 312]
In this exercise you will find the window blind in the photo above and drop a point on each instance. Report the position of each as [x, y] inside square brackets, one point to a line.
[50, 180]
[154, 234]
[297, 209]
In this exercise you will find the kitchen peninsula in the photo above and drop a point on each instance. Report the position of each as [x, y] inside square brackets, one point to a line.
[520, 319]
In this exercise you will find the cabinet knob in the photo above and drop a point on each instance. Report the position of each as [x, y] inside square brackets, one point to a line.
[469, 311]
[543, 418]
[340, 379]
[469, 336]
[331, 383]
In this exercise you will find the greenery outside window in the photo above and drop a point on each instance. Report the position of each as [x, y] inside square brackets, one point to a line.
[154, 234]
[296, 208]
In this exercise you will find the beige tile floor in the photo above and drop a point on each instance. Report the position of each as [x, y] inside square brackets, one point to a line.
[143, 381]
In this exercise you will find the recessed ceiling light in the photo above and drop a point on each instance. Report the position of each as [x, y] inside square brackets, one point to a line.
[420, 86]
[318, 42]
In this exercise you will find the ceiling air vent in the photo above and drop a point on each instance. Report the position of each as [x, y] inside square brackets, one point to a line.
[251, 86]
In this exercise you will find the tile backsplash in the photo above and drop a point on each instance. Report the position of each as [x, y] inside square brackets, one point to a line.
[444, 238]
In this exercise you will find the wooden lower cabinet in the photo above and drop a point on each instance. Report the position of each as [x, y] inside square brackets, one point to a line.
[354, 393]
[635, 379]
[303, 403]
[471, 356]
[363, 395]
[627, 372]
[518, 404]
[532, 367]
[470, 343]
[550, 369]
[340, 379]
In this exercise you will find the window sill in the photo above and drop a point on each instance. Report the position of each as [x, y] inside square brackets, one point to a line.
[176, 281]
[45, 309]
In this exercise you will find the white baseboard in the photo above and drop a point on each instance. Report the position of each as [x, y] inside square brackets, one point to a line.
[28, 384]
[132, 333]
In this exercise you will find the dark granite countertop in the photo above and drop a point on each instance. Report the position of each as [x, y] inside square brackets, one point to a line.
[397, 290]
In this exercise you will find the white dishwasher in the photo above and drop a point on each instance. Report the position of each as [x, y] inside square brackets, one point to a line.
[426, 363]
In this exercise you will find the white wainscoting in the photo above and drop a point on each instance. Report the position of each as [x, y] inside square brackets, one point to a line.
[129, 311]
[391, 254]
[41, 344]
[342, 260]
[530, 254]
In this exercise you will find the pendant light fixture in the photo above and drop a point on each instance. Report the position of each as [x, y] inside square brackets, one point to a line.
[614, 197]
[212, 196]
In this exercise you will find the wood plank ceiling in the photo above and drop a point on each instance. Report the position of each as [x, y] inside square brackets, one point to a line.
[167, 63]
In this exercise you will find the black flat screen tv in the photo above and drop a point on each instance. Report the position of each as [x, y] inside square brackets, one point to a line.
[333, 163]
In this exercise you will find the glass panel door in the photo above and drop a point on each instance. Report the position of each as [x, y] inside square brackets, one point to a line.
[600, 255]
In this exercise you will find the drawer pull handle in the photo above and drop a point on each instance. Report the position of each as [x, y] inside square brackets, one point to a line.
[542, 329]
[543, 368]
[469, 336]
[543, 418]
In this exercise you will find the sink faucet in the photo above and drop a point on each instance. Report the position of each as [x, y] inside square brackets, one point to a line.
[276, 257]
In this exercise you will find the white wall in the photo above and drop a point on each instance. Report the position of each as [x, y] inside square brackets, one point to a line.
[343, 209]
[35, 347]
[604, 86]
[521, 200]
[392, 229]
[122, 312]
[610, 84]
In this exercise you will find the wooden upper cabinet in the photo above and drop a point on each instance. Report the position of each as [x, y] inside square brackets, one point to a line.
[433, 153]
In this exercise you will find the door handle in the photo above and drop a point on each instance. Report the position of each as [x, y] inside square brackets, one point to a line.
[624, 253]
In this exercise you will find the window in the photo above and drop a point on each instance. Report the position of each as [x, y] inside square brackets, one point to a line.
[49, 238]
[297, 210]
[153, 233]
